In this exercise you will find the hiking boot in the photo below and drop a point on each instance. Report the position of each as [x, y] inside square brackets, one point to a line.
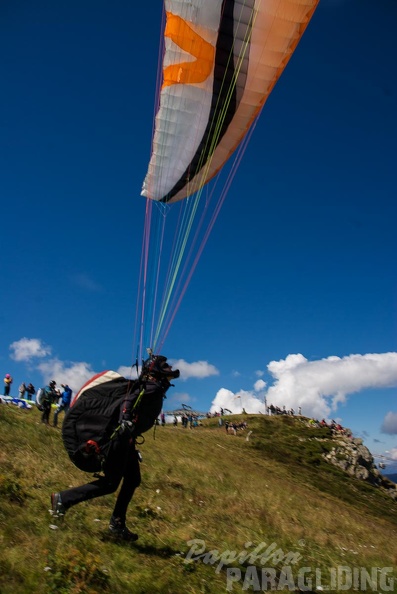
[118, 529]
[57, 507]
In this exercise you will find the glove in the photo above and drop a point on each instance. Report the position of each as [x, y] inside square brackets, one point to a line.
[126, 427]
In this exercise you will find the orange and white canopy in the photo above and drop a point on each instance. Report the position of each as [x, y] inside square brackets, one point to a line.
[222, 59]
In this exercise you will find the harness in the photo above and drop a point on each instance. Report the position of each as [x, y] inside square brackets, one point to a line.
[124, 430]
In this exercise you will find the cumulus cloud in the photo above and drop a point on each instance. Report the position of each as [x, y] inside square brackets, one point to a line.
[26, 349]
[259, 385]
[127, 371]
[236, 402]
[318, 387]
[198, 369]
[389, 424]
[259, 373]
[73, 374]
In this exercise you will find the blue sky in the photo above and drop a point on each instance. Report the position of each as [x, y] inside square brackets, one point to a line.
[294, 296]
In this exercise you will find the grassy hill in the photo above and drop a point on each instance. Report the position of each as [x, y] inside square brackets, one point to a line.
[229, 495]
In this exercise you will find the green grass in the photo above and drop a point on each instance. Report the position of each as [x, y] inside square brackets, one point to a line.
[220, 490]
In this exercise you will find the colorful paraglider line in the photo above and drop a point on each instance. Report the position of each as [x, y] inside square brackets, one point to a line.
[222, 58]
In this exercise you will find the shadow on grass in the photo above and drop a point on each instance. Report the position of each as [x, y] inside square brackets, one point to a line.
[146, 549]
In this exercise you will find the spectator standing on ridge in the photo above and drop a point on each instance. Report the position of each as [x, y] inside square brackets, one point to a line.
[7, 384]
[22, 390]
[30, 391]
[48, 398]
[64, 405]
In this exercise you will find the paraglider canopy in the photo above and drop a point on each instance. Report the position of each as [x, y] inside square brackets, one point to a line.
[222, 59]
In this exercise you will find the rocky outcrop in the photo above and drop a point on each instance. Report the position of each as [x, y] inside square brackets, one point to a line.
[353, 457]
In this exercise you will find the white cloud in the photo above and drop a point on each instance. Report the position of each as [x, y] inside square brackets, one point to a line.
[198, 369]
[73, 374]
[317, 386]
[127, 371]
[259, 385]
[389, 424]
[236, 402]
[259, 373]
[26, 349]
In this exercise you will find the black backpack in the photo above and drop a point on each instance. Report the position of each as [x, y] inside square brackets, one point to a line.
[91, 428]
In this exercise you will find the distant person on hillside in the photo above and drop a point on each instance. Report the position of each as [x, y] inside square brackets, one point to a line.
[64, 405]
[30, 391]
[49, 396]
[7, 384]
[22, 390]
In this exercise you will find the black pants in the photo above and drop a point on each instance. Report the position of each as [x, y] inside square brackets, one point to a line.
[45, 417]
[121, 466]
[62, 407]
